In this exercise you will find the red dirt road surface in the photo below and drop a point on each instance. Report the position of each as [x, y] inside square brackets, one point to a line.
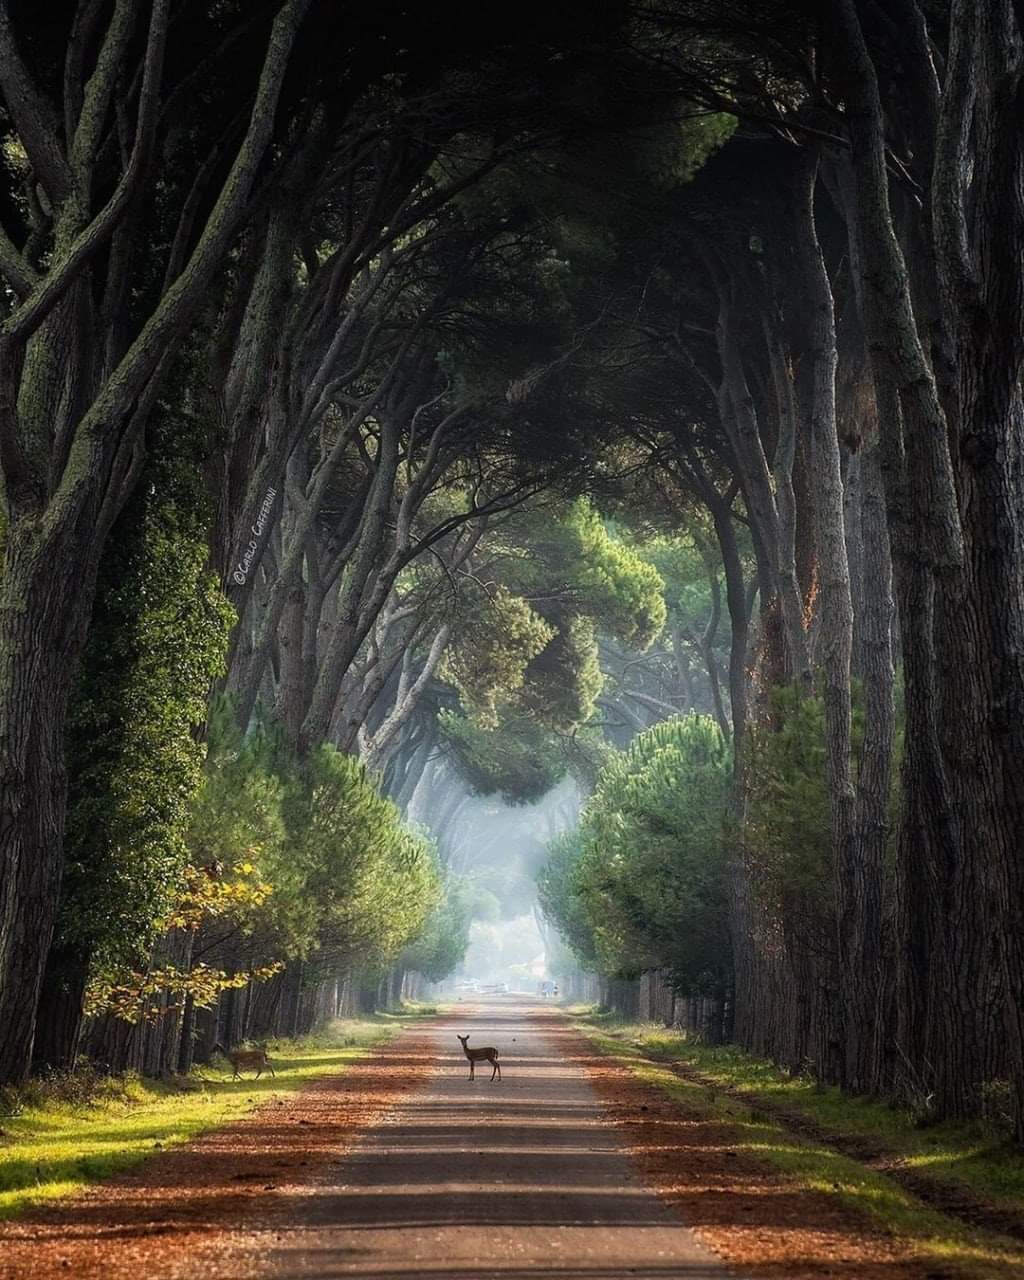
[402, 1167]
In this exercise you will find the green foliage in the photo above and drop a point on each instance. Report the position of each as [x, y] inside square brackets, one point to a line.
[132, 996]
[159, 636]
[619, 590]
[519, 759]
[483, 904]
[564, 680]
[561, 901]
[439, 949]
[237, 819]
[371, 881]
[628, 166]
[682, 567]
[786, 831]
[559, 578]
[526, 661]
[642, 884]
[346, 877]
[569, 556]
[562, 959]
[498, 638]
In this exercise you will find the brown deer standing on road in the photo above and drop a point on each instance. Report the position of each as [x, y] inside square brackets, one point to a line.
[480, 1055]
[246, 1060]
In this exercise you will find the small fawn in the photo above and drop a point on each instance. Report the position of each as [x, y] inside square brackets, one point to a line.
[480, 1055]
[246, 1059]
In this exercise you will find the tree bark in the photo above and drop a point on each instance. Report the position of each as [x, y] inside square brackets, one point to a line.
[41, 634]
[867, 1066]
[59, 1032]
[775, 525]
[941, 1003]
[835, 644]
[978, 216]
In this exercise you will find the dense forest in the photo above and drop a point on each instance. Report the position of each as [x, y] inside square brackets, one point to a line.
[625, 394]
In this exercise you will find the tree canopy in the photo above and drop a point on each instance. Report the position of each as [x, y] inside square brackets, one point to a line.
[622, 399]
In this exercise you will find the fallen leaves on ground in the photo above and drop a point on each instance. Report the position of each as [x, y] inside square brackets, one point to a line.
[188, 1209]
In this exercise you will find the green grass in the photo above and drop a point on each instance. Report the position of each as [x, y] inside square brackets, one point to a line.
[80, 1131]
[994, 1173]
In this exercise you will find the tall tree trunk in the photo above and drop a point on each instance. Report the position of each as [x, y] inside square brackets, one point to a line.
[978, 216]
[59, 1024]
[44, 597]
[836, 609]
[353, 619]
[291, 685]
[866, 1066]
[773, 517]
[941, 1019]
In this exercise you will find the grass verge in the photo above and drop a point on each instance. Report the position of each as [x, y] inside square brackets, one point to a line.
[757, 1090]
[54, 1140]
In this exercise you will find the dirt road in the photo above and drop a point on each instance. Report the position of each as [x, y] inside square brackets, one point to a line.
[399, 1167]
[522, 1178]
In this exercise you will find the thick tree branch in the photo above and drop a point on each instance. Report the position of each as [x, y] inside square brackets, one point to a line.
[33, 116]
[52, 287]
